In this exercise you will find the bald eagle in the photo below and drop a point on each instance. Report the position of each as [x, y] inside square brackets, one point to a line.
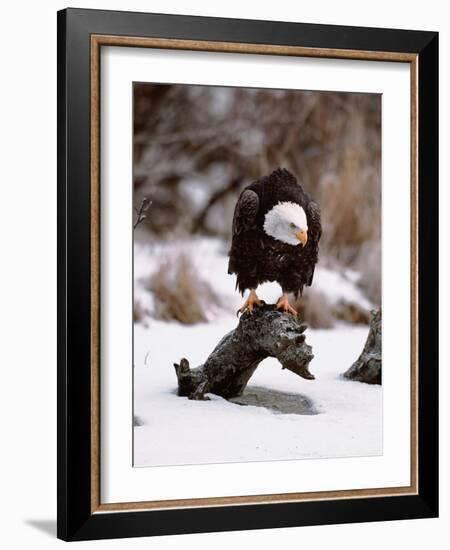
[275, 237]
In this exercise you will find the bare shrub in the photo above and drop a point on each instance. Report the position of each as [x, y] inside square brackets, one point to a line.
[179, 292]
[318, 311]
[352, 313]
[369, 267]
[137, 421]
[315, 309]
[350, 195]
[138, 312]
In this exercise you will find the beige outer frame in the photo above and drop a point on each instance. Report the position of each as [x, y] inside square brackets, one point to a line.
[109, 40]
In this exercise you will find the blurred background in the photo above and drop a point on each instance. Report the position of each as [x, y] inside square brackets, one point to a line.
[196, 147]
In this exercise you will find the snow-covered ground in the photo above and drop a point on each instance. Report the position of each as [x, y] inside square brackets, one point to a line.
[173, 430]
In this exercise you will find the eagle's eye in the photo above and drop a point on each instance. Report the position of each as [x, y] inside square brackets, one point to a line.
[292, 225]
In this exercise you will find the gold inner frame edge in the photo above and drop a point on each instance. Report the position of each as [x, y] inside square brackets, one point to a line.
[264, 49]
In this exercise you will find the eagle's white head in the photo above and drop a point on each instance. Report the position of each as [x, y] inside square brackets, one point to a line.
[286, 222]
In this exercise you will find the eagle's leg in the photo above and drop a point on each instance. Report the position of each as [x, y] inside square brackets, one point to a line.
[283, 304]
[251, 302]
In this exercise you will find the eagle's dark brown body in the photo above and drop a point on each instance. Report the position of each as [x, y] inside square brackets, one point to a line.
[255, 257]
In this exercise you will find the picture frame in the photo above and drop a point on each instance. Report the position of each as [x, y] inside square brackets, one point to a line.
[81, 36]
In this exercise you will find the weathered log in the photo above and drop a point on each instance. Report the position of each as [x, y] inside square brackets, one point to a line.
[367, 368]
[266, 332]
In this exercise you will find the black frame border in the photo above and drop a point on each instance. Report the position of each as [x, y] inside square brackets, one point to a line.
[75, 520]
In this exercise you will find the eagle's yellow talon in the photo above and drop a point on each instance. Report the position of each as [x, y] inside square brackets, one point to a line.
[250, 303]
[283, 304]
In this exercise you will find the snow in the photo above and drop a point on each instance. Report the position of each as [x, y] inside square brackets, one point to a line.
[173, 430]
[340, 286]
[176, 430]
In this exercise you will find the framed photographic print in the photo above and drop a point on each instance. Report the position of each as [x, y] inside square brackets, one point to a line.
[247, 252]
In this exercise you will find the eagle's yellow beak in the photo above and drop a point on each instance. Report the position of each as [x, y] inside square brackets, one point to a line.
[302, 236]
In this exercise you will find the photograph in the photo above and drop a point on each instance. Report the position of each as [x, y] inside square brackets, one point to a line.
[257, 294]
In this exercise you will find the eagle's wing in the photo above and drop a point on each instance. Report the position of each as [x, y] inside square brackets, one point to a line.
[245, 212]
[314, 234]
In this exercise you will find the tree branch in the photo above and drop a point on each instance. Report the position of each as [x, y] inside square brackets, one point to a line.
[265, 333]
[142, 212]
